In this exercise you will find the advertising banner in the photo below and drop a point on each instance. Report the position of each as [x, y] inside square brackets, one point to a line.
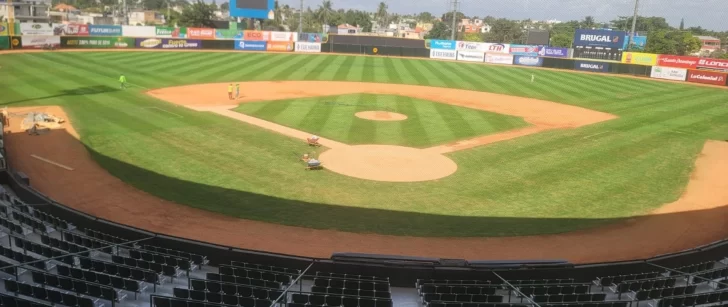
[528, 60]
[495, 58]
[15, 42]
[104, 30]
[472, 46]
[39, 42]
[599, 38]
[283, 36]
[669, 73]
[168, 43]
[707, 77]
[647, 59]
[98, 42]
[471, 56]
[501, 48]
[4, 31]
[524, 50]
[280, 46]
[170, 32]
[256, 35]
[228, 34]
[554, 52]
[639, 42]
[138, 31]
[443, 54]
[71, 30]
[677, 61]
[311, 37]
[442, 44]
[591, 66]
[36, 29]
[717, 64]
[4, 42]
[203, 33]
[307, 47]
[248, 45]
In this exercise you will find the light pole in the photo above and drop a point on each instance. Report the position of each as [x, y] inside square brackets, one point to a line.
[634, 24]
[454, 14]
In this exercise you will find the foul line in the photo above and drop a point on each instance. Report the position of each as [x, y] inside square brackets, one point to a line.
[600, 133]
[51, 162]
[163, 110]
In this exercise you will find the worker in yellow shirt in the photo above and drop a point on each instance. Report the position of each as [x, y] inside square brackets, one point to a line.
[122, 80]
[230, 91]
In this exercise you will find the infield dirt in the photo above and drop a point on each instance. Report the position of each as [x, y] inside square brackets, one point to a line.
[698, 217]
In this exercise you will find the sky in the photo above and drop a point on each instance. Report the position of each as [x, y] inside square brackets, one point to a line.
[709, 14]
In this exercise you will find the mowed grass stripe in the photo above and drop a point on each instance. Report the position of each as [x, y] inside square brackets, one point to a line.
[296, 61]
[344, 68]
[362, 131]
[320, 68]
[463, 78]
[477, 77]
[203, 67]
[238, 69]
[413, 130]
[315, 120]
[440, 75]
[367, 71]
[168, 65]
[340, 117]
[412, 71]
[287, 73]
[112, 71]
[392, 74]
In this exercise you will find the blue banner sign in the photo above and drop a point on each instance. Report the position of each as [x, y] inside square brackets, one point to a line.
[443, 44]
[599, 38]
[250, 45]
[527, 60]
[104, 30]
[591, 66]
[554, 52]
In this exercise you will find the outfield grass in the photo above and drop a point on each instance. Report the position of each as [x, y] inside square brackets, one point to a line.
[428, 123]
[549, 182]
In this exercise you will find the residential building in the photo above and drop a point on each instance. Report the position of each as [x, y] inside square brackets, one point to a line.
[485, 28]
[708, 44]
[145, 18]
[348, 29]
[26, 10]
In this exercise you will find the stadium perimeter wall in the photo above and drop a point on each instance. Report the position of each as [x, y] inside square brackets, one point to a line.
[403, 271]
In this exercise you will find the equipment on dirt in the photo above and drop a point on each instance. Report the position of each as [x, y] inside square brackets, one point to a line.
[311, 163]
[313, 141]
[38, 120]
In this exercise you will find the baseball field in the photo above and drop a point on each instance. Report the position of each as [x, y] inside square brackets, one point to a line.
[616, 148]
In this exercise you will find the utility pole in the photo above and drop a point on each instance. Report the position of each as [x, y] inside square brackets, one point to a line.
[454, 18]
[300, 18]
[634, 24]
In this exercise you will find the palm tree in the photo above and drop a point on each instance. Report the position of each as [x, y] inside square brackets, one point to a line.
[277, 18]
[588, 22]
[381, 14]
[324, 12]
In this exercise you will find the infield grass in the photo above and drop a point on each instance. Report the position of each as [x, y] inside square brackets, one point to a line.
[428, 123]
[549, 182]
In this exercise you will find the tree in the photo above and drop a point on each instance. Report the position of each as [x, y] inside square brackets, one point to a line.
[425, 17]
[672, 42]
[198, 14]
[643, 23]
[225, 7]
[471, 37]
[685, 43]
[439, 31]
[381, 14]
[588, 22]
[325, 12]
[562, 40]
[682, 24]
[719, 54]
[505, 31]
[214, 5]
[447, 17]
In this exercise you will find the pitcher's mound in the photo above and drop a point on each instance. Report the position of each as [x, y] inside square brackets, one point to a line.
[381, 115]
[388, 163]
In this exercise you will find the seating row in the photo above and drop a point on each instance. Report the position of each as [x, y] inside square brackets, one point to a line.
[216, 297]
[117, 282]
[352, 276]
[607, 281]
[64, 245]
[455, 304]
[9, 253]
[228, 301]
[195, 258]
[660, 293]
[180, 262]
[694, 299]
[159, 268]
[43, 250]
[337, 300]
[8, 268]
[352, 292]
[88, 242]
[102, 236]
[710, 275]
[569, 298]
[12, 226]
[120, 270]
[601, 304]
[693, 268]
[351, 284]
[553, 281]
[30, 221]
[282, 278]
[226, 288]
[79, 286]
[50, 295]
[421, 282]
[488, 290]
[553, 290]
[477, 298]
[13, 301]
[243, 281]
[261, 267]
[50, 219]
[637, 285]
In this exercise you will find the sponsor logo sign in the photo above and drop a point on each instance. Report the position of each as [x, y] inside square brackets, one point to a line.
[443, 54]
[3, 29]
[443, 44]
[591, 66]
[717, 64]
[524, 50]
[228, 34]
[707, 77]
[501, 48]
[528, 60]
[283, 36]
[307, 47]
[280, 46]
[554, 52]
[495, 58]
[599, 38]
[256, 35]
[639, 42]
[170, 32]
[38, 42]
[72, 30]
[201, 33]
[677, 61]
[36, 29]
[100, 42]
[471, 56]
[167, 43]
[471, 46]
[638, 58]
[138, 31]
[104, 30]
[248, 45]
[669, 73]
[311, 37]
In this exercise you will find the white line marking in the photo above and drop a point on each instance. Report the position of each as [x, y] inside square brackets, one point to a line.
[600, 133]
[680, 132]
[163, 110]
[51, 162]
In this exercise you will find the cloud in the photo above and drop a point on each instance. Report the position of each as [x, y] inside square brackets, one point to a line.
[706, 13]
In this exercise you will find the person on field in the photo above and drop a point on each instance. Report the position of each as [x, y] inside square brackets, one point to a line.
[237, 90]
[230, 91]
[533, 77]
[122, 81]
